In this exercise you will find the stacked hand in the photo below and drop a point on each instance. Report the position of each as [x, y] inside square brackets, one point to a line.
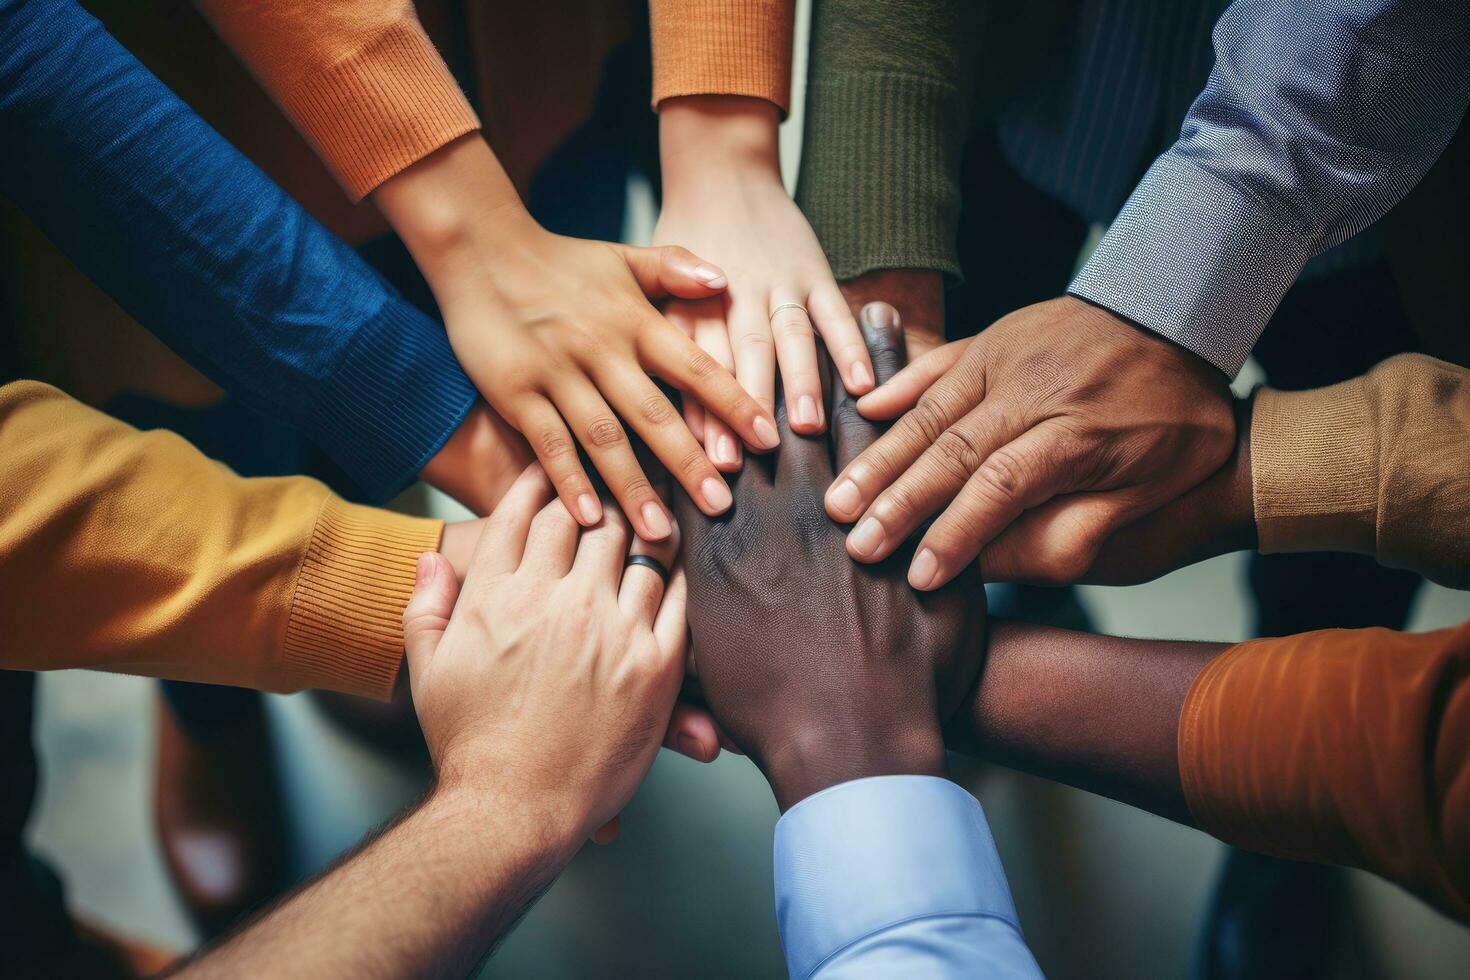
[822, 669]
[549, 683]
[560, 337]
[723, 197]
[1037, 440]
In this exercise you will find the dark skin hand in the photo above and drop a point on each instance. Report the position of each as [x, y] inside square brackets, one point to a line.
[917, 295]
[822, 669]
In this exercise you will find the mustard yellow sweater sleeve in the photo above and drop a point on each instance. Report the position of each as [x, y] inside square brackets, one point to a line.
[1378, 464]
[359, 78]
[130, 551]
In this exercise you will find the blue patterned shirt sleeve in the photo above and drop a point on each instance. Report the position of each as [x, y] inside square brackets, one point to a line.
[1318, 117]
[199, 246]
[895, 876]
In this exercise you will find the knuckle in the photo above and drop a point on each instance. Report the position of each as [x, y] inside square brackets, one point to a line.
[755, 340]
[603, 432]
[552, 445]
[792, 324]
[926, 420]
[1004, 474]
[957, 454]
[896, 505]
[655, 408]
[699, 364]
[693, 463]
[637, 487]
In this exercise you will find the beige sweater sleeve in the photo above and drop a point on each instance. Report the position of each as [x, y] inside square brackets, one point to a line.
[1379, 464]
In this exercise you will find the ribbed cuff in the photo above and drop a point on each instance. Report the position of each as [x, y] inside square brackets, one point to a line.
[1195, 259]
[387, 105]
[723, 47]
[880, 173]
[1314, 469]
[396, 396]
[345, 631]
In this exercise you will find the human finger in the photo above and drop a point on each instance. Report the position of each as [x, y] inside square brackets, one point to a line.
[607, 445]
[796, 357]
[839, 331]
[546, 432]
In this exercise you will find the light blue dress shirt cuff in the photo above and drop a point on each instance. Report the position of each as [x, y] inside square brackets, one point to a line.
[894, 876]
[1196, 259]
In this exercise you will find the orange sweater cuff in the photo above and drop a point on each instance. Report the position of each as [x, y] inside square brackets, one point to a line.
[345, 631]
[385, 106]
[723, 47]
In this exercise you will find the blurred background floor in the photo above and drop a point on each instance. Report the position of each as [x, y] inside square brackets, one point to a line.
[1103, 890]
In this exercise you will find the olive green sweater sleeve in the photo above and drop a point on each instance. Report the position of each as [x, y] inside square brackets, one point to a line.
[888, 85]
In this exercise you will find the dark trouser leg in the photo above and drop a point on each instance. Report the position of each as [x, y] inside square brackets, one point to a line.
[1274, 918]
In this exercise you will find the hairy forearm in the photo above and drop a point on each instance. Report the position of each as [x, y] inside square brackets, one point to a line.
[1097, 712]
[427, 898]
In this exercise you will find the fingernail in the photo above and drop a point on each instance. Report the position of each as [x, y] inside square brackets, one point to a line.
[725, 450]
[924, 569]
[806, 410]
[656, 520]
[845, 497]
[867, 537]
[710, 276]
[423, 569]
[715, 493]
[587, 505]
[879, 316]
[765, 433]
[861, 376]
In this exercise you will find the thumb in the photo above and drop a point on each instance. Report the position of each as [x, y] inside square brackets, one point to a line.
[669, 270]
[427, 614]
[902, 391]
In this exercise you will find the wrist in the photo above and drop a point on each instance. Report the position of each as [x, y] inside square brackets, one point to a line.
[811, 759]
[498, 810]
[710, 139]
[479, 461]
[455, 202]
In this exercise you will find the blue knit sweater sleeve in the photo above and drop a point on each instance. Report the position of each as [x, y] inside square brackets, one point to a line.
[204, 250]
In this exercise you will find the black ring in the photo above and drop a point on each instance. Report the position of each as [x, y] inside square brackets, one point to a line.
[648, 561]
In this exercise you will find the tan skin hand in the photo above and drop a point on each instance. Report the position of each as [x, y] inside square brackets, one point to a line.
[917, 295]
[560, 336]
[1058, 398]
[723, 198]
[548, 626]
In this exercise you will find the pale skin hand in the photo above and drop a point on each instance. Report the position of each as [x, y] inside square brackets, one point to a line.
[1058, 398]
[560, 337]
[723, 198]
[548, 626]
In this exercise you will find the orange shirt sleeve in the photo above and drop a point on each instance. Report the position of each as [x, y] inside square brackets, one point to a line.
[723, 47]
[1344, 746]
[132, 552]
[359, 78]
